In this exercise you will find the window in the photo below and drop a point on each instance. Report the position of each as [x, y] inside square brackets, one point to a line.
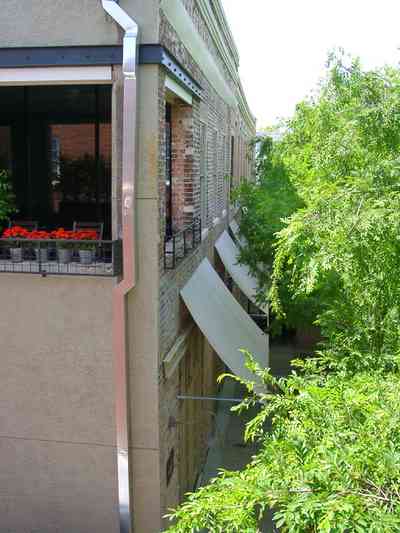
[56, 143]
[214, 175]
[232, 163]
[203, 176]
[168, 171]
[5, 148]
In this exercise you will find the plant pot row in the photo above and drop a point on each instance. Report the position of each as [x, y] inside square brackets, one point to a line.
[65, 255]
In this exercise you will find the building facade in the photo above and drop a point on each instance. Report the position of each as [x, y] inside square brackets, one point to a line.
[128, 118]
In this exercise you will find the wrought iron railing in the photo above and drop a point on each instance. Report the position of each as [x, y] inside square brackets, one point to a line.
[61, 257]
[181, 244]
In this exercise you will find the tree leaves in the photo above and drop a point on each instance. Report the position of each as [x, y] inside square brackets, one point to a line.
[325, 214]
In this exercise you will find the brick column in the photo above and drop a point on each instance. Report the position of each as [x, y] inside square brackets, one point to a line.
[182, 134]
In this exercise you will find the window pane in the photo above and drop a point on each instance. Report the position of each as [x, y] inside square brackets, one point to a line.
[57, 141]
[5, 148]
[11, 100]
[73, 168]
[63, 101]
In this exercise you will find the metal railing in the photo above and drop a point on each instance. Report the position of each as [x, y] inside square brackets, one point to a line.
[181, 244]
[61, 257]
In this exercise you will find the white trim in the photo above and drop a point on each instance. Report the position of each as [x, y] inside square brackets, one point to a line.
[177, 352]
[216, 221]
[178, 90]
[55, 75]
[179, 18]
[217, 25]
[224, 322]
[204, 233]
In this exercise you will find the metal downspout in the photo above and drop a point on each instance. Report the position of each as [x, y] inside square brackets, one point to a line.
[128, 280]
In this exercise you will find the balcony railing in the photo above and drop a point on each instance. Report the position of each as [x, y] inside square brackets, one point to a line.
[61, 257]
[181, 244]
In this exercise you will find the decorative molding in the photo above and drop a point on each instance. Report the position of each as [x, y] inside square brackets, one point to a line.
[204, 234]
[55, 75]
[180, 20]
[215, 19]
[155, 54]
[60, 56]
[57, 57]
[178, 90]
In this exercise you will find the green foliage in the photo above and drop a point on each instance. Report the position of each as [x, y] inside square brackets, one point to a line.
[325, 215]
[348, 240]
[7, 198]
[338, 145]
[330, 464]
[342, 247]
[265, 205]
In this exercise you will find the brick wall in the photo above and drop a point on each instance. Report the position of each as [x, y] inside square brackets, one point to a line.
[214, 121]
[183, 164]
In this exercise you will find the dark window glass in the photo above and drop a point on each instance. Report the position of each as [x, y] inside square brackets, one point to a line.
[168, 171]
[5, 148]
[57, 143]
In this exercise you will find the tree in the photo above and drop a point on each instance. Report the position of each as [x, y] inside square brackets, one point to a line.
[329, 433]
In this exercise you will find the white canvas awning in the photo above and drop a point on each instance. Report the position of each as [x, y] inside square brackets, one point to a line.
[234, 227]
[242, 242]
[224, 323]
[247, 283]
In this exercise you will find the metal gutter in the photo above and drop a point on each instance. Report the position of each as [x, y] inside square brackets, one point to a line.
[128, 280]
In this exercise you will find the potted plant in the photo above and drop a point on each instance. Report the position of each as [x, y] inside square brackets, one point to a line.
[86, 249]
[66, 244]
[41, 250]
[16, 233]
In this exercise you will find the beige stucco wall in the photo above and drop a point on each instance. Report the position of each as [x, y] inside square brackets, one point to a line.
[57, 424]
[142, 315]
[76, 22]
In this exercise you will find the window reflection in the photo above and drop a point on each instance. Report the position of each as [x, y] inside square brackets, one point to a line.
[73, 165]
[5, 148]
[61, 152]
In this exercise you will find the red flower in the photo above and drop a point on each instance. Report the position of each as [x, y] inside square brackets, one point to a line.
[85, 235]
[62, 234]
[16, 232]
[39, 235]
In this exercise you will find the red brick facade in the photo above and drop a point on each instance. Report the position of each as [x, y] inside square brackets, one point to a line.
[201, 171]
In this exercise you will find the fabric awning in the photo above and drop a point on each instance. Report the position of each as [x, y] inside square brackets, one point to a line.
[247, 283]
[224, 323]
[234, 227]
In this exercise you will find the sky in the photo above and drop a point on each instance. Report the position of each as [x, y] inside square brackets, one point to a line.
[284, 45]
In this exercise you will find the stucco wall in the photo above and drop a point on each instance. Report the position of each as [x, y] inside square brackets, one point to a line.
[61, 23]
[57, 424]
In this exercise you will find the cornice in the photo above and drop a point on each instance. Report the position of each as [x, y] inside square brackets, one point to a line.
[227, 49]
